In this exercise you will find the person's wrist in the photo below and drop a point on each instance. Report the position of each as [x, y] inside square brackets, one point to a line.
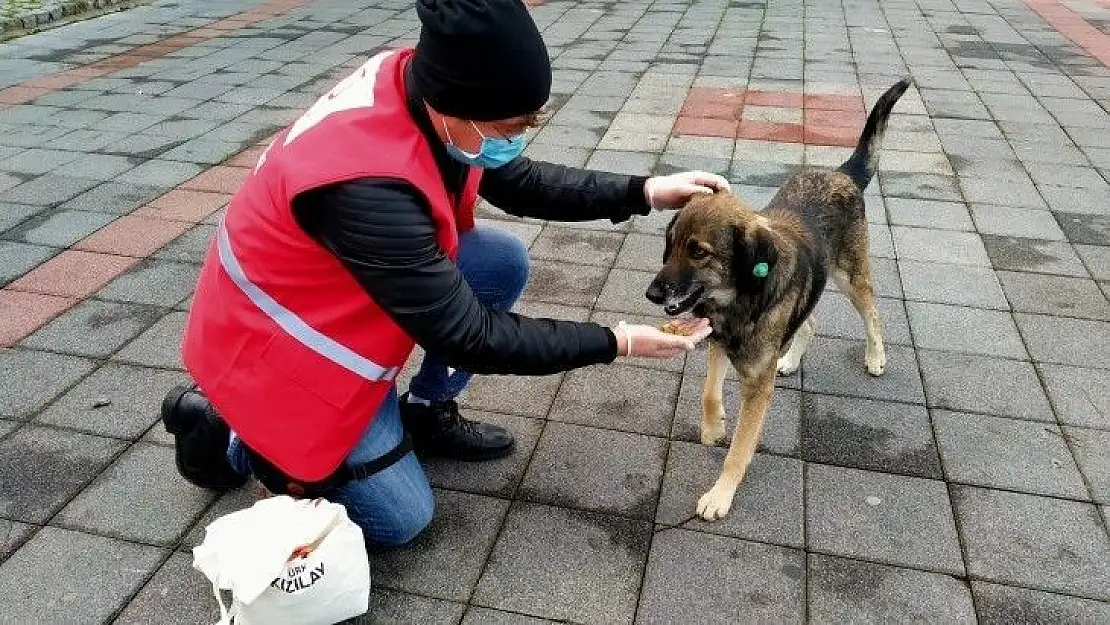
[624, 342]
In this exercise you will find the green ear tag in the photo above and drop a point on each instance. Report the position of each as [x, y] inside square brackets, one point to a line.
[760, 270]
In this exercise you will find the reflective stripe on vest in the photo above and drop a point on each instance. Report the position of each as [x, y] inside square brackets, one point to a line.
[294, 325]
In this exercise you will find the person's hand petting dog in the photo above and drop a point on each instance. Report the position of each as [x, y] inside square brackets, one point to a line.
[671, 192]
[650, 342]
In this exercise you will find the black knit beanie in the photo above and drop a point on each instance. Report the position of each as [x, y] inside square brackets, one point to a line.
[480, 60]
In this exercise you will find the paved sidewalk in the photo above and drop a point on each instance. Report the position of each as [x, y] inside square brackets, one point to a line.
[971, 482]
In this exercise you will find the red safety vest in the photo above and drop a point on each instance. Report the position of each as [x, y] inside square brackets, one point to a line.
[288, 347]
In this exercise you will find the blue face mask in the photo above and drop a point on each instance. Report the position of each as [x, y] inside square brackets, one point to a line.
[493, 152]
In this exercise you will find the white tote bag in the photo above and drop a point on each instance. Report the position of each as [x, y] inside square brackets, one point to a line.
[285, 560]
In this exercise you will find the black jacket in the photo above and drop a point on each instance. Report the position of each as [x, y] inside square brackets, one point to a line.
[382, 230]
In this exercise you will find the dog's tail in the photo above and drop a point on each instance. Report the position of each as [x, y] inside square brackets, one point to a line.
[864, 162]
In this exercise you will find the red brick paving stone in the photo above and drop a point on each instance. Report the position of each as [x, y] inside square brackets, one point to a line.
[73, 273]
[20, 94]
[705, 127]
[835, 119]
[184, 205]
[834, 102]
[22, 313]
[246, 158]
[711, 110]
[774, 98]
[1073, 26]
[221, 179]
[770, 131]
[133, 235]
[824, 135]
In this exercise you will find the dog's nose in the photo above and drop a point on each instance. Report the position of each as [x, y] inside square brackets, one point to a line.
[656, 294]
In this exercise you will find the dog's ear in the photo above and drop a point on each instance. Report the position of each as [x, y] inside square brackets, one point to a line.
[668, 238]
[754, 257]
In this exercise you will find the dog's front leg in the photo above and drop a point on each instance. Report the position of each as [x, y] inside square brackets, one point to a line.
[756, 391]
[712, 397]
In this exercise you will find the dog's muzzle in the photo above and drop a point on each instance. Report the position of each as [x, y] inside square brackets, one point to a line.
[661, 293]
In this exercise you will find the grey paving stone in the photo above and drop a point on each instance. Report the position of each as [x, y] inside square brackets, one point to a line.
[631, 163]
[1007, 453]
[202, 151]
[880, 241]
[912, 524]
[965, 330]
[486, 616]
[837, 317]
[767, 507]
[752, 582]
[1097, 260]
[998, 605]
[231, 501]
[959, 285]
[939, 246]
[12, 536]
[1054, 295]
[982, 384]
[1089, 201]
[642, 252]
[564, 283]
[93, 328]
[920, 186]
[625, 290]
[1016, 222]
[1005, 537]
[118, 198]
[159, 345]
[516, 395]
[37, 589]
[539, 310]
[850, 591]
[1017, 254]
[161, 173]
[17, 259]
[154, 281]
[140, 497]
[572, 137]
[617, 397]
[144, 145]
[929, 214]
[526, 232]
[42, 377]
[835, 366]
[582, 246]
[563, 564]
[1074, 394]
[48, 190]
[60, 228]
[446, 559]
[100, 167]
[388, 606]
[190, 247]
[496, 477]
[178, 594]
[1089, 448]
[1088, 229]
[37, 161]
[135, 395]
[868, 434]
[597, 470]
[1080, 342]
[42, 468]
[781, 427]
[12, 215]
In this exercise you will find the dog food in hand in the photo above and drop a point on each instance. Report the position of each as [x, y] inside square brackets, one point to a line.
[681, 327]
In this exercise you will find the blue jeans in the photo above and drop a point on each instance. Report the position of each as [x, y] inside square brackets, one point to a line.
[394, 505]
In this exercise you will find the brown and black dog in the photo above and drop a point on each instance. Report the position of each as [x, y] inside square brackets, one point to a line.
[757, 275]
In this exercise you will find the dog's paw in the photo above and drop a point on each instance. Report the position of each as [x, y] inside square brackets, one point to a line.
[876, 364]
[715, 504]
[787, 366]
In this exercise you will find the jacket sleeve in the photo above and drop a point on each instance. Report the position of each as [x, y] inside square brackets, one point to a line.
[528, 188]
[383, 233]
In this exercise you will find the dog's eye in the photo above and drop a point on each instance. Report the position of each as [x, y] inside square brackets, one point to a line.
[696, 252]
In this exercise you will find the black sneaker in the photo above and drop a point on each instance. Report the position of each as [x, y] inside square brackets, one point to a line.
[200, 440]
[439, 430]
